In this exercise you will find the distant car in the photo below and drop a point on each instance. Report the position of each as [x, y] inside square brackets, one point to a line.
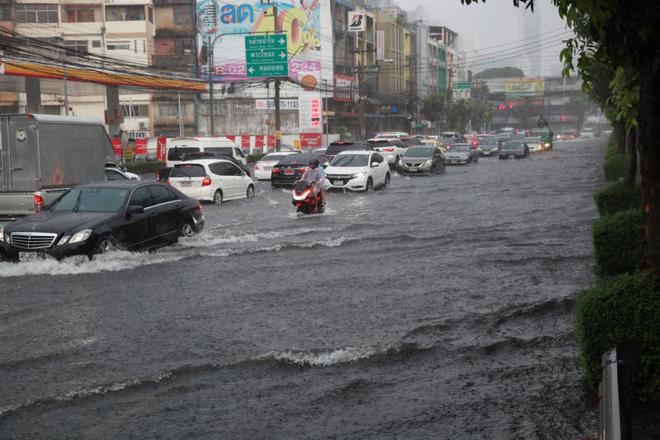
[587, 133]
[338, 146]
[422, 160]
[392, 149]
[411, 141]
[212, 180]
[488, 145]
[461, 154]
[568, 135]
[291, 168]
[358, 171]
[199, 155]
[517, 149]
[546, 137]
[450, 138]
[113, 172]
[96, 218]
[264, 167]
[534, 143]
[392, 135]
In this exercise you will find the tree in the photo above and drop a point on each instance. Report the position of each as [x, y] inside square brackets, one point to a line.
[434, 107]
[623, 33]
[500, 72]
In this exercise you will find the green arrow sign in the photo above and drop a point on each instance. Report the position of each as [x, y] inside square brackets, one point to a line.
[462, 85]
[266, 55]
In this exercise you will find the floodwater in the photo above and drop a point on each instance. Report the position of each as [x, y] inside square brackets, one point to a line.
[440, 308]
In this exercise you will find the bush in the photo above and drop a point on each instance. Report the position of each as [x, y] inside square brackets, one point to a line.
[145, 167]
[616, 197]
[616, 164]
[253, 158]
[619, 310]
[619, 242]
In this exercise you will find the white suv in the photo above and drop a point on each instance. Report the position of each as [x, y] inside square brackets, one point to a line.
[211, 180]
[358, 171]
[391, 149]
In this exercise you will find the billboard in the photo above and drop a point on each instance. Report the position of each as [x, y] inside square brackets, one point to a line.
[524, 88]
[224, 25]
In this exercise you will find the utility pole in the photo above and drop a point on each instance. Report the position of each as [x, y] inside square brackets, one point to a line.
[65, 85]
[180, 116]
[209, 55]
[325, 112]
[278, 120]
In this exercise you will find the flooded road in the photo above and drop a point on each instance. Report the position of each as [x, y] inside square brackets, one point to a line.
[440, 308]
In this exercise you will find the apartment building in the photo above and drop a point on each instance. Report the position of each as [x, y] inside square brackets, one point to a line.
[120, 31]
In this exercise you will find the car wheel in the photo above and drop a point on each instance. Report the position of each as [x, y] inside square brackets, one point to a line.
[387, 181]
[105, 244]
[186, 229]
[250, 192]
[217, 197]
[370, 185]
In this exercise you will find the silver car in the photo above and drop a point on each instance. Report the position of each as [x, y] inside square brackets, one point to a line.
[461, 154]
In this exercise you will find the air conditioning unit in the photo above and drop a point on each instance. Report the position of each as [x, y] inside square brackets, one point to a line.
[143, 126]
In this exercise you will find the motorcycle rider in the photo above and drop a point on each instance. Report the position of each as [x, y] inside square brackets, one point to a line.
[315, 175]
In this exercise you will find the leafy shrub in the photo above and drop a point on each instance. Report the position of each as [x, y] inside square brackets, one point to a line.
[616, 163]
[145, 167]
[619, 242]
[619, 310]
[616, 197]
[254, 158]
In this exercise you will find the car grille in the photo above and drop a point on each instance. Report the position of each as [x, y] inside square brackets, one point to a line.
[32, 240]
[413, 164]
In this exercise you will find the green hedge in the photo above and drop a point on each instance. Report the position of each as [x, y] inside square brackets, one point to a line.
[253, 158]
[616, 163]
[144, 167]
[617, 310]
[619, 242]
[616, 197]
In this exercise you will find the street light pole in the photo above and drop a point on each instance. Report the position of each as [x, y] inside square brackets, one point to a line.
[209, 55]
[278, 117]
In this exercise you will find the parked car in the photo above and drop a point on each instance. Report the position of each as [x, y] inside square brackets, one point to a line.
[422, 160]
[461, 154]
[177, 148]
[338, 146]
[517, 149]
[42, 156]
[358, 171]
[392, 135]
[392, 149]
[188, 157]
[534, 143]
[114, 172]
[212, 180]
[488, 145]
[264, 167]
[93, 219]
[291, 168]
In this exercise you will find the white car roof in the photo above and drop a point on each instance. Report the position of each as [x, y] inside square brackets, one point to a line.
[358, 152]
[203, 162]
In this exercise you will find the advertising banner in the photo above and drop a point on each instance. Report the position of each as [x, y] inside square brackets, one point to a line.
[380, 45]
[344, 88]
[311, 140]
[309, 111]
[225, 24]
[524, 88]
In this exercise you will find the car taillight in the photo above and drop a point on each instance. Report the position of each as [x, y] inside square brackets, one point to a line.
[302, 170]
[168, 182]
[38, 202]
[388, 150]
[256, 167]
[276, 170]
[206, 181]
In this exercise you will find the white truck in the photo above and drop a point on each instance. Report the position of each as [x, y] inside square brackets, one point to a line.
[41, 156]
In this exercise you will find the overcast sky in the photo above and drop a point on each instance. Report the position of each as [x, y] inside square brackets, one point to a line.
[495, 30]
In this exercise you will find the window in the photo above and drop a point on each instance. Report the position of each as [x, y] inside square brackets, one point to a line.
[182, 16]
[161, 194]
[135, 110]
[119, 45]
[78, 14]
[169, 109]
[76, 47]
[96, 44]
[224, 169]
[52, 109]
[150, 14]
[178, 153]
[377, 158]
[141, 197]
[183, 46]
[112, 175]
[188, 170]
[36, 13]
[5, 13]
[124, 13]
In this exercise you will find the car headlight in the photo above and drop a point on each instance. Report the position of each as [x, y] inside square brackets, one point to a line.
[63, 240]
[80, 236]
[428, 163]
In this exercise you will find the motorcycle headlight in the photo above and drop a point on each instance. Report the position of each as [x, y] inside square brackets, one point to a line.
[80, 236]
[63, 240]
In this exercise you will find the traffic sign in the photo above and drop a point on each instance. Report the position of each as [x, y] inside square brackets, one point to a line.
[462, 85]
[266, 55]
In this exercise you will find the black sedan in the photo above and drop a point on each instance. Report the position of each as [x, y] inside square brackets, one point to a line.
[96, 218]
[291, 168]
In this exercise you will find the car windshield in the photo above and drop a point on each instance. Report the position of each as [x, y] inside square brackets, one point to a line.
[273, 157]
[487, 141]
[419, 152]
[299, 159]
[533, 140]
[461, 148]
[350, 160]
[220, 150]
[188, 170]
[514, 146]
[92, 200]
[177, 153]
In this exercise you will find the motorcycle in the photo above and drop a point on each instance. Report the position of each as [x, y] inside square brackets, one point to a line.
[304, 199]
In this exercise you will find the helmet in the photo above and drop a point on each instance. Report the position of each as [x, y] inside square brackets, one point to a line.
[314, 163]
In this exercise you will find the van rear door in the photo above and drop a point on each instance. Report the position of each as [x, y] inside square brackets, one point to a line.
[23, 162]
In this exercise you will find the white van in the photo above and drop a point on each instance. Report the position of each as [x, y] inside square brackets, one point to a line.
[178, 147]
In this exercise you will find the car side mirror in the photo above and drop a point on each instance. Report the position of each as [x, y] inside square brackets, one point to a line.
[374, 164]
[134, 209]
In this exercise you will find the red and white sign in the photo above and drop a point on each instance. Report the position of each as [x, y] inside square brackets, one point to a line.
[161, 145]
[311, 140]
[310, 111]
[343, 89]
